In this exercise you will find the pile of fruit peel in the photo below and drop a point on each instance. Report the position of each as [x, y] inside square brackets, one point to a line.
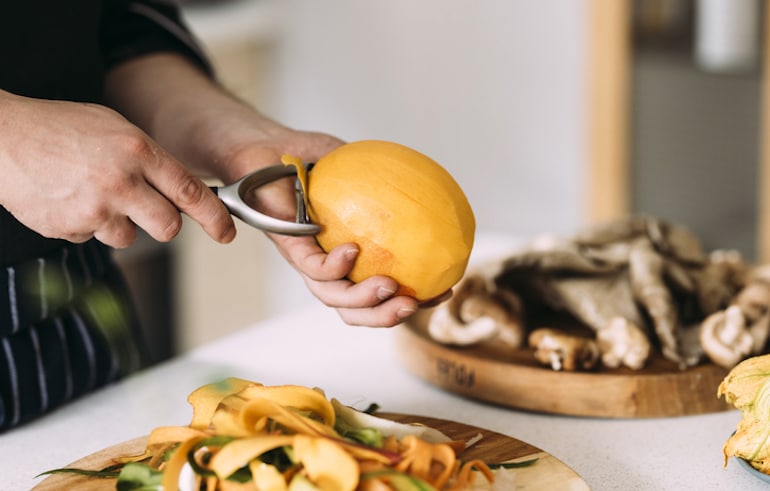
[248, 436]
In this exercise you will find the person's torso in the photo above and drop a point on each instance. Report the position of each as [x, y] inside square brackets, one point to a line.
[50, 49]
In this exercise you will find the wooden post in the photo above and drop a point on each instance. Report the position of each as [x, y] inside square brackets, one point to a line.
[609, 86]
[763, 197]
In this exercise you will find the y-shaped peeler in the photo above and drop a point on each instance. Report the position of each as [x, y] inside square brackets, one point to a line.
[233, 195]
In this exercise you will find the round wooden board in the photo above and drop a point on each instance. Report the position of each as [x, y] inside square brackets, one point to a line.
[515, 379]
[547, 473]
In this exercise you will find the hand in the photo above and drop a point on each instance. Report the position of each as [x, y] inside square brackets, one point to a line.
[370, 302]
[75, 171]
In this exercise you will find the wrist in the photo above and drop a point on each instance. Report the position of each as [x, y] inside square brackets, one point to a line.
[230, 140]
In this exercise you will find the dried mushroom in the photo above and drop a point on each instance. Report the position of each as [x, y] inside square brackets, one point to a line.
[622, 343]
[725, 337]
[478, 312]
[651, 273]
[640, 285]
[717, 282]
[754, 300]
[741, 330]
[647, 273]
[563, 351]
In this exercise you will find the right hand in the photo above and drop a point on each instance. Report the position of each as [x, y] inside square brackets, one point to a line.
[75, 171]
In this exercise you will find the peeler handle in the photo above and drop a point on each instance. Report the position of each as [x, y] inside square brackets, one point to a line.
[232, 196]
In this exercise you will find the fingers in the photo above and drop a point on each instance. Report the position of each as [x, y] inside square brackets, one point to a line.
[368, 303]
[156, 215]
[149, 188]
[387, 314]
[119, 233]
[188, 194]
[343, 293]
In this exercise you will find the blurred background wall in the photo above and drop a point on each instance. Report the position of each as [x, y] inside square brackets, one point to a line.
[695, 117]
[493, 90]
[498, 92]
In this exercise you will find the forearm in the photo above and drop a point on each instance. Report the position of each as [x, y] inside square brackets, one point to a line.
[187, 112]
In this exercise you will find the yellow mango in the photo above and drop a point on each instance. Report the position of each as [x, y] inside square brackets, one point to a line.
[407, 214]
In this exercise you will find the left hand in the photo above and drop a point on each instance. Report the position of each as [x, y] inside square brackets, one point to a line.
[370, 302]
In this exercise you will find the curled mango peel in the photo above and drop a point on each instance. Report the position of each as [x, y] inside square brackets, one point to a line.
[270, 436]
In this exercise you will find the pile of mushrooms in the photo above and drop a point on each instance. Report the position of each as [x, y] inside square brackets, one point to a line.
[637, 286]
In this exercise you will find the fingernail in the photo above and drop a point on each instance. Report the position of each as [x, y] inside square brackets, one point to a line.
[226, 235]
[385, 293]
[229, 235]
[351, 253]
[405, 313]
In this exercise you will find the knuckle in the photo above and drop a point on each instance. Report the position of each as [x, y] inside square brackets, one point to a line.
[124, 241]
[189, 190]
[122, 184]
[134, 143]
[119, 237]
[95, 215]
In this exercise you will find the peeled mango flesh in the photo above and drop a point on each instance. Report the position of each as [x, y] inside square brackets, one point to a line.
[409, 217]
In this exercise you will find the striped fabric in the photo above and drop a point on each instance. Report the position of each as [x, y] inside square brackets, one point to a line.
[65, 325]
[66, 328]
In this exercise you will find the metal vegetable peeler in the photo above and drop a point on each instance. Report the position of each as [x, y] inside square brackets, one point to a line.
[233, 195]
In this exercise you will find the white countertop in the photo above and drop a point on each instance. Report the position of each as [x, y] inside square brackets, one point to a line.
[313, 347]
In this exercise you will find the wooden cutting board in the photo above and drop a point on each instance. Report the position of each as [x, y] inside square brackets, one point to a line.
[515, 379]
[547, 473]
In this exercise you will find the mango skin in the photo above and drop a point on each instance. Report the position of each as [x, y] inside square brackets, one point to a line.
[409, 217]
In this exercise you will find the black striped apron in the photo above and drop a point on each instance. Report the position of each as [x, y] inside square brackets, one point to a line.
[67, 326]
